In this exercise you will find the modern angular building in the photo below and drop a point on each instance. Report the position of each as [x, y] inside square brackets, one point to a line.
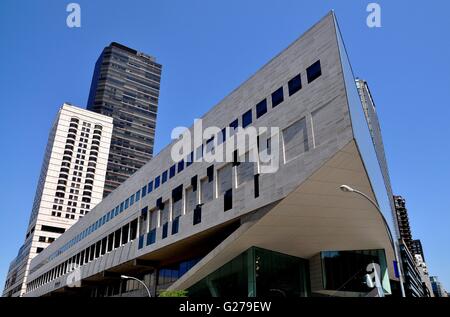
[125, 86]
[69, 186]
[236, 227]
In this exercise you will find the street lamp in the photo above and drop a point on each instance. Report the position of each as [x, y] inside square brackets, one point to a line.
[136, 279]
[348, 189]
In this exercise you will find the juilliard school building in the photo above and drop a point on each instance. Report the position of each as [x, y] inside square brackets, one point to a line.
[241, 226]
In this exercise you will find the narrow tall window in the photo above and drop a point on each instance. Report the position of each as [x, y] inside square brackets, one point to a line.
[314, 71]
[294, 85]
[261, 108]
[247, 118]
[277, 97]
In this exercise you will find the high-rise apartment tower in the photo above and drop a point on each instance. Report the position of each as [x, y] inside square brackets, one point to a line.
[125, 86]
[70, 184]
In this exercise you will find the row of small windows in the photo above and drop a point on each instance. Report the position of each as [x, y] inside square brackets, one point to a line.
[97, 249]
[277, 97]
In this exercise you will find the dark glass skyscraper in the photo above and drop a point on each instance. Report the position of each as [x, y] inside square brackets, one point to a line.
[125, 86]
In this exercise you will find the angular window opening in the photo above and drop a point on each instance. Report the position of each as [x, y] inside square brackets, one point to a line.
[314, 71]
[247, 118]
[277, 97]
[261, 108]
[295, 84]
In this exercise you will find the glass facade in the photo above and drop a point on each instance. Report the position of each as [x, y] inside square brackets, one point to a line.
[345, 270]
[257, 272]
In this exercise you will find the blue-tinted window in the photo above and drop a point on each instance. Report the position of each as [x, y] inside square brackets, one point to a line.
[295, 84]
[234, 124]
[141, 242]
[247, 118]
[172, 171]
[314, 71]
[180, 166]
[157, 181]
[138, 195]
[150, 187]
[117, 210]
[277, 97]
[122, 206]
[127, 202]
[131, 200]
[164, 177]
[261, 108]
[175, 225]
[144, 191]
[151, 237]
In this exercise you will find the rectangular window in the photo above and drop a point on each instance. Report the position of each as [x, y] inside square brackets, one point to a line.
[144, 191]
[138, 195]
[261, 108]
[149, 187]
[256, 183]
[110, 242]
[228, 200]
[116, 239]
[222, 136]
[164, 230]
[157, 180]
[194, 183]
[314, 71]
[175, 225]
[125, 234]
[247, 118]
[164, 177]
[234, 125]
[122, 206]
[131, 200]
[210, 173]
[277, 97]
[197, 215]
[180, 166]
[295, 84]
[151, 237]
[127, 202]
[172, 171]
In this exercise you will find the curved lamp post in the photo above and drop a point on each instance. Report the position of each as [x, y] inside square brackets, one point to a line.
[136, 279]
[348, 189]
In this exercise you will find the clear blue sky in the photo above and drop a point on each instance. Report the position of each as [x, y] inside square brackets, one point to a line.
[207, 49]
